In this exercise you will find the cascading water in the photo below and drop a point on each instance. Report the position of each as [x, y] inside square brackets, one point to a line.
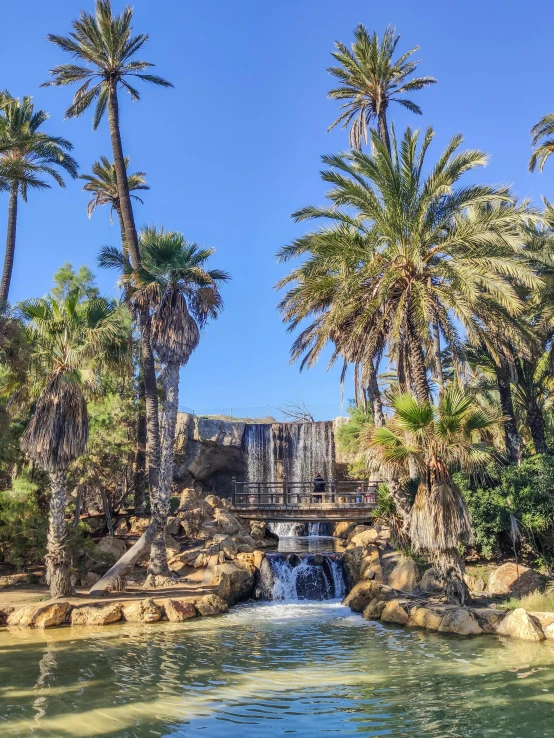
[292, 577]
[258, 444]
[287, 530]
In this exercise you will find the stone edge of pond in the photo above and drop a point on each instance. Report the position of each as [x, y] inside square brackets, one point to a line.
[376, 601]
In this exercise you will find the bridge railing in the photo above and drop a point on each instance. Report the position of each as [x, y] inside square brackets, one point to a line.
[296, 494]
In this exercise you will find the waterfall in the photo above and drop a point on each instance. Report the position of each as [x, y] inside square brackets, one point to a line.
[289, 530]
[298, 450]
[294, 577]
[260, 452]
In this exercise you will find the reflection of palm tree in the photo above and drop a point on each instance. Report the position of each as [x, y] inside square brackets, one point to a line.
[47, 666]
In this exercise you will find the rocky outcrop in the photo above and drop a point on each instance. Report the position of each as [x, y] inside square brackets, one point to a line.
[143, 611]
[405, 575]
[210, 605]
[519, 624]
[460, 621]
[177, 611]
[40, 616]
[425, 617]
[395, 612]
[234, 582]
[104, 615]
[513, 579]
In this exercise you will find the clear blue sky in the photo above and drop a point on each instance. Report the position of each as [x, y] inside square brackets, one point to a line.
[234, 149]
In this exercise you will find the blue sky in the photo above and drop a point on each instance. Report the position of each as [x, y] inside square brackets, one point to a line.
[234, 149]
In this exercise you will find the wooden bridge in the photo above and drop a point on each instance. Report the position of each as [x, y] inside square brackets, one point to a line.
[307, 501]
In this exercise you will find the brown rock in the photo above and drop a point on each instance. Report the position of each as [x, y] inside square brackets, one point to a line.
[549, 632]
[138, 525]
[361, 595]
[257, 529]
[210, 605]
[144, 611]
[543, 618]
[226, 522]
[374, 610]
[404, 576]
[394, 612]
[511, 579]
[172, 547]
[488, 618]
[343, 529]
[50, 616]
[425, 617]
[432, 581]
[173, 527]
[89, 579]
[519, 624]
[96, 615]
[254, 558]
[214, 501]
[110, 548]
[122, 527]
[189, 498]
[460, 621]
[234, 583]
[178, 611]
[22, 616]
[475, 583]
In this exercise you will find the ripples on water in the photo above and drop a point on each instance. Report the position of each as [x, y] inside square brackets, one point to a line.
[272, 670]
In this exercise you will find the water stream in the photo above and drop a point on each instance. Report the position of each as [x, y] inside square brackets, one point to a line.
[270, 670]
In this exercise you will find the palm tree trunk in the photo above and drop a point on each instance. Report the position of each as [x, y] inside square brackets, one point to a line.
[452, 566]
[375, 396]
[139, 482]
[158, 566]
[57, 564]
[10, 246]
[417, 365]
[383, 128]
[535, 422]
[512, 437]
[401, 499]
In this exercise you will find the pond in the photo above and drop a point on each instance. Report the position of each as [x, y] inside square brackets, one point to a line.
[272, 669]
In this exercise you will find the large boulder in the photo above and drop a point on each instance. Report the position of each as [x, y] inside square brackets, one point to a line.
[214, 501]
[461, 622]
[425, 617]
[96, 615]
[226, 522]
[40, 616]
[143, 611]
[395, 612]
[549, 632]
[177, 611]
[519, 624]
[361, 595]
[365, 538]
[210, 605]
[173, 527]
[110, 548]
[234, 583]
[137, 525]
[405, 575]
[343, 529]
[513, 579]
[374, 610]
[432, 581]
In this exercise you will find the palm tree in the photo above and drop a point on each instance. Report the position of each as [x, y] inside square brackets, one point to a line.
[420, 249]
[544, 129]
[70, 339]
[27, 158]
[454, 434]
[102, 183]
[369, 80]
[105, 45]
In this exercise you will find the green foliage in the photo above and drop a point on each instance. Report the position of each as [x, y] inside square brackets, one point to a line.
[67, 280]
[23, 523]
[347, 438]
[489, 511]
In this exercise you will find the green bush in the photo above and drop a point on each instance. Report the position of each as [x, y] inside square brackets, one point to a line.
[23, 523]
[347, 438]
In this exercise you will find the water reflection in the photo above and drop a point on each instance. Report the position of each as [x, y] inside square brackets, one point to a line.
[272, 670]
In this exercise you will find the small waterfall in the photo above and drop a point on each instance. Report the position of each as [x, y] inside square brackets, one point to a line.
[260, 452]
[292, 577]
[290, 530]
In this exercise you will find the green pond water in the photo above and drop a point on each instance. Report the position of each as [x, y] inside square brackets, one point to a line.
[308, 669]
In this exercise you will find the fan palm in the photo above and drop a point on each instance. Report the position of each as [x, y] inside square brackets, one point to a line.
[401, 251]
[453, 435]
[28, 157]
[70, 339]
[104, 43]
[369, 80]
[102, 184]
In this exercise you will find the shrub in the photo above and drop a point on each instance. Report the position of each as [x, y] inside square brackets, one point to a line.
[23, 523]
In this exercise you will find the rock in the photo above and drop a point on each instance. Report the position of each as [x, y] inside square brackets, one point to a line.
[385, 534]
[370, 567]
[543, 618]
[229, 548]
[475, 583]
[356, 530]
[172, 546]
[361, 595]
[432, 581]
[365, 538]
[247, 540]
[374, 610]
[519, 624]
[23, 616]
[255, 558]
[191, 522]
[343, 529]
[394, 612]
[404, 576]
[234, 583]
[425, 617]
[257, 529]
[50, 616]
[96, 525]
[549, 632]
[245, 548]
[201, 561]
[122, 527]
[110, 548]
[488, 618]
[189, 498]
[515, 580]
[460, 621]
[210, 604]
[214, 501]
[226, 522]
[173, 527]
[89, 579]
[96, 615]
[178, 611]
[138, 525]
[5, 612]
[144, 611]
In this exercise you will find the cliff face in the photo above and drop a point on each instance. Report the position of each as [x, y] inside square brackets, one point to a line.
[209, 451]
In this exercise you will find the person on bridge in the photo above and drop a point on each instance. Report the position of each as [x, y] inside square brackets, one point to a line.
[319, 487]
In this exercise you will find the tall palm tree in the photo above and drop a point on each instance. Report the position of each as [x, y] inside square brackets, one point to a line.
[107, 49]
[437, 439]
[370, 80]
[425, 249]
[70, 339]
[182, 295]
[28, 157]
[102, 184]
[544, 129]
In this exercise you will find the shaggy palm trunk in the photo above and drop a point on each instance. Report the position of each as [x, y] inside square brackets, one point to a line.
[10, 247]
[401, 499]
[418, 367]
[375, 397]
[383, 127]
[139, 482]
[535, 421]
[57, 563]
[512, 437]
[451, 565]
[158, 569]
